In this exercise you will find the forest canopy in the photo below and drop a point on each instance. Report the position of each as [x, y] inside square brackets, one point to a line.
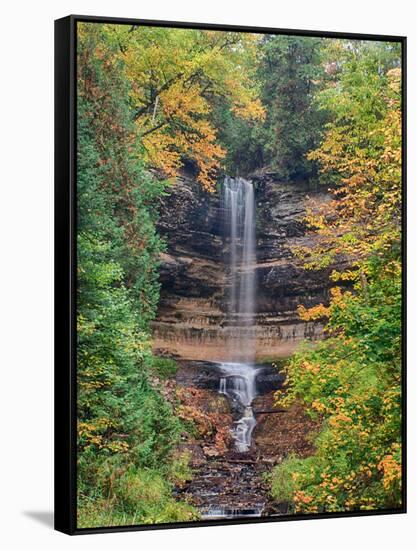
[175, 77]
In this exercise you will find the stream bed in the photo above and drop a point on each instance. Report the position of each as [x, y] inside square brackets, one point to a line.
[233, 485]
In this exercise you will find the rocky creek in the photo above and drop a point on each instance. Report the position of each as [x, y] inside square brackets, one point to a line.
[232, 482]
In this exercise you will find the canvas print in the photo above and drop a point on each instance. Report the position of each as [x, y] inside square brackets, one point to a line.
[238, 275]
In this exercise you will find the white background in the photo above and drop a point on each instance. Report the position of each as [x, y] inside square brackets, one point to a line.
[26, 218]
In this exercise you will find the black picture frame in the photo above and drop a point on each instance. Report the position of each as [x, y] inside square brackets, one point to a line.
[66, 264]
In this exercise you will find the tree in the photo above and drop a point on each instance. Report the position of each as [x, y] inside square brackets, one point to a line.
[291, 70]
[352, 380]
[126, 430]
[175, 77]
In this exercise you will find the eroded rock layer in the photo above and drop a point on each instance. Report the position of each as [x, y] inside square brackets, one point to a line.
[192, 317]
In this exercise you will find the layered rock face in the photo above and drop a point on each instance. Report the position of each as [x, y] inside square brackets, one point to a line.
[192, 317]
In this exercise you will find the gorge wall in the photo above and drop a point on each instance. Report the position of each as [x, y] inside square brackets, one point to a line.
[191, 320]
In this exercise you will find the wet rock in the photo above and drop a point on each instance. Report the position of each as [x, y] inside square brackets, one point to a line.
[211, 451]
[192, 315]
[198, 374]
[269, 381]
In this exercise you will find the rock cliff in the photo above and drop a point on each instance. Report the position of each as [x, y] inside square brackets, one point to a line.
[191, 321]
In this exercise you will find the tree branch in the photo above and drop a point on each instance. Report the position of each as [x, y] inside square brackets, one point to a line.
[160, 125]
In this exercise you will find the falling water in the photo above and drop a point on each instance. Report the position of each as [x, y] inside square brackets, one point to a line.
[239, 212]
[238, 383]
[238, 379]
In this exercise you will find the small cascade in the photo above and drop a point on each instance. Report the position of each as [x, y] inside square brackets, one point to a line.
[243, 430]
[238, 383]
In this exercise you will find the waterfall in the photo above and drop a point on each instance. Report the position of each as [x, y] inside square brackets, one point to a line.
[238, 381]
[239, 213]
[223, 386]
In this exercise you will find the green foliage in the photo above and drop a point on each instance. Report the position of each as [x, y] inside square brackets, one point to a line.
[333, 104]
[352, 379]
[139, 497]
[164, 367]
[126, 430]
[288, 72]
[179, 470]
[116, 197]
[243, 140]
[172, 78]
[283, 480]
[291, 69]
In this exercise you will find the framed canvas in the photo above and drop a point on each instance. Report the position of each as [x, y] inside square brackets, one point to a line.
[229, 322]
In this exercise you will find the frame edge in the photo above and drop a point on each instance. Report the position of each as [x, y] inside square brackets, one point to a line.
[64, 451]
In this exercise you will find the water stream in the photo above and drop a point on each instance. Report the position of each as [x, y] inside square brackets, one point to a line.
[230, 484]
[238, 383]
[239, 380]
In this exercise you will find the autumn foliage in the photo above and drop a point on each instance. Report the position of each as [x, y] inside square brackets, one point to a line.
[174, 77]
[352, 380]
